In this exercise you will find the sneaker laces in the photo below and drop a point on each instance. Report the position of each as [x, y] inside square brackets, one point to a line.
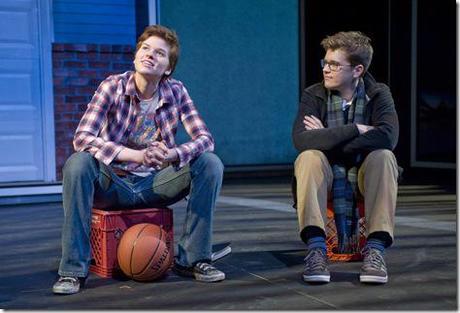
[205, 267]
[316, 260]
[374, 259]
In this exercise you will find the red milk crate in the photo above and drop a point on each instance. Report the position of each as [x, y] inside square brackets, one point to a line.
[107, 227]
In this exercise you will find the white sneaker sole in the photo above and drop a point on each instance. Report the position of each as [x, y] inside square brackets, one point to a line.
[373, 279]
[317, 278]
[61, 291]
[212, 279]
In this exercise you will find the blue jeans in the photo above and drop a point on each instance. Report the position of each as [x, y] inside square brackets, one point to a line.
[89, 183]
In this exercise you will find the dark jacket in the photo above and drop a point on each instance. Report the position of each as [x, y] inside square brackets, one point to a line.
[344, 143]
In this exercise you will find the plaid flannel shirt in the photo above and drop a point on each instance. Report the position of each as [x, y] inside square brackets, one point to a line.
[110, 116]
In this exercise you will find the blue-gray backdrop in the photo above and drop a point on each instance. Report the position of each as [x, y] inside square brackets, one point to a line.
[240, 64]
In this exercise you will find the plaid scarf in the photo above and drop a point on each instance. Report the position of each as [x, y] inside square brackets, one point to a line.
[345, 183]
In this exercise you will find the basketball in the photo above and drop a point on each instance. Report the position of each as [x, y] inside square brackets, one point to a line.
[143, 253]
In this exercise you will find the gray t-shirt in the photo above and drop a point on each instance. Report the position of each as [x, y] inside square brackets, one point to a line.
[144, 132]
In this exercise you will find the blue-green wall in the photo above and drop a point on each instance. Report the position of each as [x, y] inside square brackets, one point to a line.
[240, 63]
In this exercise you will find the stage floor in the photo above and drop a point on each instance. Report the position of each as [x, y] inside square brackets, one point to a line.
[264, 269]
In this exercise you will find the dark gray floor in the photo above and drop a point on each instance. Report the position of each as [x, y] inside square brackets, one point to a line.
[263, 271]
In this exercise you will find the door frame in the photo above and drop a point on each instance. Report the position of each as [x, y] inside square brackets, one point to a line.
[154, 12]
[413, 111]
[45, 29]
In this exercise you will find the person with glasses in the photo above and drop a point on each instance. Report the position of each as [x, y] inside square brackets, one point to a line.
[345, 130]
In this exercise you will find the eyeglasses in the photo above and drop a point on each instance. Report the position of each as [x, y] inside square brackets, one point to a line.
[333, 66]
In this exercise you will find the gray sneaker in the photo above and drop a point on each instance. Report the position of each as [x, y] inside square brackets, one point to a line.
[67, 285]
[374, 269]
[316, 267]
[202, 271]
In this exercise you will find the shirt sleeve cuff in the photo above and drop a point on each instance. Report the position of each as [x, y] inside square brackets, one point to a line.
[183, 157]
[109, 152]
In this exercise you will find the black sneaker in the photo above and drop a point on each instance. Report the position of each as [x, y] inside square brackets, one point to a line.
[202, 271]
[67, 285]
[316, 267]
[374, 269]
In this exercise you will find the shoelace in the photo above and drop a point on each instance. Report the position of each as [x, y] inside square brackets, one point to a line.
[315, 260]
[374, 258]
[205, 267]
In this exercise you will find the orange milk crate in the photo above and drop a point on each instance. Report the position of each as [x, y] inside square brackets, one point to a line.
[331, 236]
[107, 227]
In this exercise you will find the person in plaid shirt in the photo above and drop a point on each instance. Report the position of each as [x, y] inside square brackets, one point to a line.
[126, 157]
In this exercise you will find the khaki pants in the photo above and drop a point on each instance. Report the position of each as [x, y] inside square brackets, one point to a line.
[377, 182]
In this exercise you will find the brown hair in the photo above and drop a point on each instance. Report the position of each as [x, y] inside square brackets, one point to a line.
[356, 45]
[167, 35]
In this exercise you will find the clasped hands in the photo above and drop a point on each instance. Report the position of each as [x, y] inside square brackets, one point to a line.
[312, 122]
[157, 153]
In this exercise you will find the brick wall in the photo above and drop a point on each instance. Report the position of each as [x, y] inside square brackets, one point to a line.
[78, 69]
